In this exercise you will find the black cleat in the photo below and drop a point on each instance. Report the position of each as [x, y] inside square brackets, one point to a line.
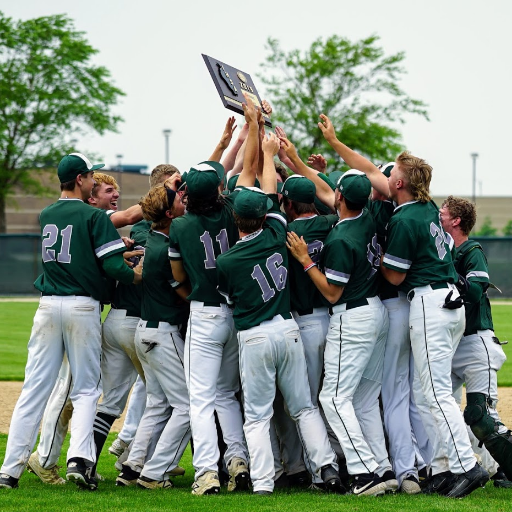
[82, 475]
[501, 480]
[127, 477]
[332, 480]
[263, 493]
[466, 483]
[439, 484]
[8, 482]
[300, 479]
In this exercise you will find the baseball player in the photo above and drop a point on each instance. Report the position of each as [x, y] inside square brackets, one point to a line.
[418, 260]
[159, 347]
[77, 241]
[211, 351]
[479, 355]
[271, 350]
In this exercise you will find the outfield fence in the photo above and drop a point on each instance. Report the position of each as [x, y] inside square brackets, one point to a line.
[21, 263]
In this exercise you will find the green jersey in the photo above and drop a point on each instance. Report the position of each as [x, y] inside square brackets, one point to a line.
[253, 274]
[129, 296]
[471, 263]
[351, 257]
[314, 229]
[75, 238]
[418, 245]
[160, 303]
[198, 240]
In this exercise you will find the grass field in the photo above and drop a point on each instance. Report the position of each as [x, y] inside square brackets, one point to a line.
[16, 322]
[33, 495]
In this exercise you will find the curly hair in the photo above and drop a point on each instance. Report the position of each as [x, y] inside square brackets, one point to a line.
[203, 205]
[463, 209]
[100, 178]
[417, 174]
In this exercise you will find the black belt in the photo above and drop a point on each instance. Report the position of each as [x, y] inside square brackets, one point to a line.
[389, 294]
[67, 295]
[129, 312]
[352, 304]
[304, 312]
[286, 316]
[434, 286]
[151, 324]
[212, 304]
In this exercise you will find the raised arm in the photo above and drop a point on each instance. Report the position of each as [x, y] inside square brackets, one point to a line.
[352, 159]
[230, 159]
[127, 217]
[283, 157]
[223, 144]
[323, 191]
[248, 174]
[270, 147]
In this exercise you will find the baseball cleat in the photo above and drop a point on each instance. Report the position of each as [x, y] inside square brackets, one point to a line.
[79, 473]
[439, 484]
[410, 485]
[146, 483]
[389, 478]
[47, 475]
[501, 480]
[207, 483]
[466, 483]
[368, 484]
[127, 477]
[300, 479]
[332, 480]
[8, 482]
[238, 475]
[117, 447]
[263, 493]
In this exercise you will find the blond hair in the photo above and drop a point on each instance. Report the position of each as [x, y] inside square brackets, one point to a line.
[100, 178]
[417, 175]
[160, 173]
[154, 205]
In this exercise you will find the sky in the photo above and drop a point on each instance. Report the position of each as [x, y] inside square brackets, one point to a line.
[458, 61]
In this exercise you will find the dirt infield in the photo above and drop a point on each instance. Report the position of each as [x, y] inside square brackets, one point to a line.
[9, 392]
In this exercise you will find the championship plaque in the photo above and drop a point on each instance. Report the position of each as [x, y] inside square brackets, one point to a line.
[231, 83]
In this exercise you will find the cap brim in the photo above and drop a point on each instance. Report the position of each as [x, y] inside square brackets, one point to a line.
[96, 167]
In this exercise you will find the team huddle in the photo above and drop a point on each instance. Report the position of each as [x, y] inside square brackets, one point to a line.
[297, 331]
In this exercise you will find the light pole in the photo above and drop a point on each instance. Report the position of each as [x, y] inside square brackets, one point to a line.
[120, 182]
[474, 156]
[166, 133]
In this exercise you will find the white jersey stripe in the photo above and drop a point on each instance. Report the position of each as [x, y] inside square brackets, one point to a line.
[397, 262]
[477, 273]
[111, 246]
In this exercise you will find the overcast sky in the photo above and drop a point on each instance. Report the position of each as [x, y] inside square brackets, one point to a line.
[458, 60]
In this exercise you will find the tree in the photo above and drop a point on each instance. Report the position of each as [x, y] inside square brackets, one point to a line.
[507, 230]
[355, 84]
[49, 93]
[486, 228]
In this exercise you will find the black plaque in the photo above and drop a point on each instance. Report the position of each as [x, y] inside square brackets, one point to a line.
[231, 83]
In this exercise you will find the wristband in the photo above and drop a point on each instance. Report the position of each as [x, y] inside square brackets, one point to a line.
[309, 267]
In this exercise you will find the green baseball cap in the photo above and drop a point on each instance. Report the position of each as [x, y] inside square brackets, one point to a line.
[73, 165]
[299, 188]
[252, 203]
[204, 179]
[233, 180]
[355, 186]
[386, 169]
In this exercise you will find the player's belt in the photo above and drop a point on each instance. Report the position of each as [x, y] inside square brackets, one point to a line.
[151, 324]
[304, 312]
[389, 294]
[129, 312]
[352, 304]
[434, 286]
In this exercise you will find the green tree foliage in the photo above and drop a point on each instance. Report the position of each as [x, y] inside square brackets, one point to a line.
[507, 230]
[486, 228]
[355, 84]
[49, 93]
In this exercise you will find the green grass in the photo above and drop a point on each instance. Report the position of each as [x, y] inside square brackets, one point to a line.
[33, 495]
[16, 322]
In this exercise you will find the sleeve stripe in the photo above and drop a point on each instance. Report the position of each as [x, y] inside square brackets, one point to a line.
[278, 217]
[334, 275]
[109, 247]
[477, 273]
[173, 253]
[174, 284]
[226, 296]
[397, 262]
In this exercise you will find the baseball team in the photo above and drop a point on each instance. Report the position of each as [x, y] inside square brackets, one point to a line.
[297, 330]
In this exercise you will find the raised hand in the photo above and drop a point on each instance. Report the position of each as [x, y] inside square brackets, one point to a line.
[174, 181]
[229, 129]
[250, 111]
[266, 107]
[270, 144]
[327, 128]
[317, 162]
[288, 148]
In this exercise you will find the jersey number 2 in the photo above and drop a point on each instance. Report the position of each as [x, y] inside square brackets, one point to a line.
[276, 271]
[51, 232]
